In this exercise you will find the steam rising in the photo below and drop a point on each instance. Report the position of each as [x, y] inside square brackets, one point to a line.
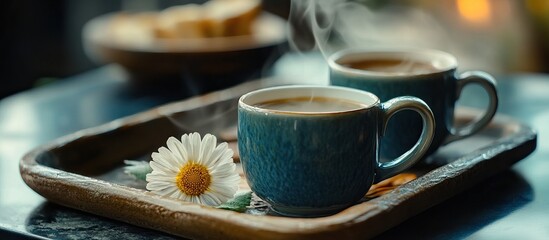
[332, 25]
[216, 118]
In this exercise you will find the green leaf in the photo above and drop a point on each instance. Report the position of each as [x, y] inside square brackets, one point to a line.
[238, 203]
[137, 169]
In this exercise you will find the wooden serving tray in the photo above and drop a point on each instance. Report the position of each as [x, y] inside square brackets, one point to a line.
[84, 171]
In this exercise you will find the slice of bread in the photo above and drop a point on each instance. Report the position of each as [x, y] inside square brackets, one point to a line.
[184, 21]
[216, 18]
[231, 17]
[133, 29]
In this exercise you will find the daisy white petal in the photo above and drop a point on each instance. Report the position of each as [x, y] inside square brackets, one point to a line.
[196, 199]
[207, 148]
[159, 159]
[186, 144]
[160, 177]
[214, 197]
[167, 191]
[223, 190]
[229, 188]
[208, 200]
[218, 152]
[157, 185]
[225, 183]
[224, 169]
[168, 157]
[196, 144]
[186, 198]
[190, 149]
[157, 167]
[176, 194]
[177, 149]
[226, 157]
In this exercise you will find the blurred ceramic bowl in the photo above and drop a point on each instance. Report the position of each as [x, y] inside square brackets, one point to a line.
[204, 63]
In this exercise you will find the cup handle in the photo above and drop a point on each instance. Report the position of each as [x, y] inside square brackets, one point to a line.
[388, 169]
[487, 82]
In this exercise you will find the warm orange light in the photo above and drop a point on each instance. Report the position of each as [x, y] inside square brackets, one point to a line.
[475, 11]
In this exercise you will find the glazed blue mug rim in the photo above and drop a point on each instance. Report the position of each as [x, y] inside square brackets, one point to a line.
[248, 100]
[445, 61]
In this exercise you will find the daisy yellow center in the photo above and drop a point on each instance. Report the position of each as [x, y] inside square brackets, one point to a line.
[193, 179]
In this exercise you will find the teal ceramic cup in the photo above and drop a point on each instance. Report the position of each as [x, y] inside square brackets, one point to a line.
[436, 83]
[318, 161]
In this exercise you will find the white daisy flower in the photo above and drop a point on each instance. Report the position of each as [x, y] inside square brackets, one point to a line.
[194, 170]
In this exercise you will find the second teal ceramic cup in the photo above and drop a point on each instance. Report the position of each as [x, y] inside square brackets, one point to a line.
[438, 86]
[318, 162]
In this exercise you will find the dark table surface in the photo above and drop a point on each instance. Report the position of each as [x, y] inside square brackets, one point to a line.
[513, 204]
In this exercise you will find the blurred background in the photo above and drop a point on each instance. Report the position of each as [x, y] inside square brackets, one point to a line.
[41, 41]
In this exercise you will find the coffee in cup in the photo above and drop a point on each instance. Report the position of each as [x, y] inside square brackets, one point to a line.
[310, 104]
[391, 66]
